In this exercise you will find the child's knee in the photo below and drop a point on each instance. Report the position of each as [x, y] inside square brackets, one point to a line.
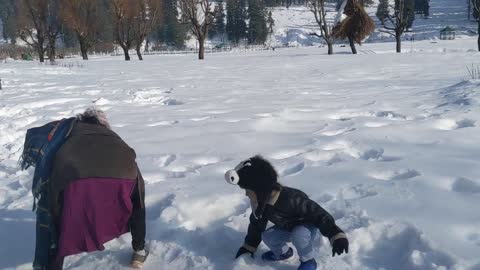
[301, 233]
[268, 235]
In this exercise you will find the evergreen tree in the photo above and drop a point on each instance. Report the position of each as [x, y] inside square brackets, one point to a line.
[236, 20]
[8, 16]
[218, 28]
[422, 7]
[170, 31]
[382, 10]
[257, 26]
[409, 9]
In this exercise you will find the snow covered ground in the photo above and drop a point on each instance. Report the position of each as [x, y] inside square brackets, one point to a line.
[294, 25]
[388, 143]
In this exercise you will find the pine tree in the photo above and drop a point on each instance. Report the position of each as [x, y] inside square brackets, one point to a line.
[236, 20]
[422, 7]
[218, 28]
[382, 10]
[409, 10]
[8, 16]
[169, 30]
[257, 27]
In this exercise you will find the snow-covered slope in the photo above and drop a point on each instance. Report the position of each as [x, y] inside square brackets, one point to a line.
[388, 143]
[294, 25]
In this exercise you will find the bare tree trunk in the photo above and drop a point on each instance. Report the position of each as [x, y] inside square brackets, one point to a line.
[201, 51]
[147, 45]
[40, 49]
[352, 45]
[83, 48]
[398, 38]
[125, 52]
[330, 47]
[478, 41]
[41, 55]
[139, 54]
[51, 48]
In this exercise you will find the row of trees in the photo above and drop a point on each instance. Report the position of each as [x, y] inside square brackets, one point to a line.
[131, 23]
[260, 22]
[40, 23]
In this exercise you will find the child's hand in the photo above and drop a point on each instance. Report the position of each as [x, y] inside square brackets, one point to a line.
[242, 251]
[339, 246]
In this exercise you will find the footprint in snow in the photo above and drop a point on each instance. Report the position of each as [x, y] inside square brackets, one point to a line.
[390, 115]
[198, 119]
[403, 174]
[297, 168]
[154, 211]
[165, 161]
[162, 123]
[464, 185]
[451, 124]
[286, 154]
[337, 132]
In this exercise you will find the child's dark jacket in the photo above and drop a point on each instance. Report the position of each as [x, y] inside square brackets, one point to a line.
[287, 209]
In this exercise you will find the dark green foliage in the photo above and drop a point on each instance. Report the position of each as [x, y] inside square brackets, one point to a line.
[382, 10]
[169, 30]
[236, 20]
[8, 16]
[69, 38]
[422, 7]
[257, 26]
[409, 10]
[217, 30]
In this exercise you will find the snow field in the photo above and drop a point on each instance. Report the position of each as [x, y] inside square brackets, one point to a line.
[387, 143]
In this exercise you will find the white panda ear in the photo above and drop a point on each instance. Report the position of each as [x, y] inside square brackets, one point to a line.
[232, 177]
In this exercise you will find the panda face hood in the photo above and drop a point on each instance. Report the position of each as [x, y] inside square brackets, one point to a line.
[255, 174]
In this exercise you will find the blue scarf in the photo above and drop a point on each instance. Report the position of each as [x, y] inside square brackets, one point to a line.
[41, 145]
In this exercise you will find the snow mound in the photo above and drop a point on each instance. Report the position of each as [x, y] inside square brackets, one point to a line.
[396, 246]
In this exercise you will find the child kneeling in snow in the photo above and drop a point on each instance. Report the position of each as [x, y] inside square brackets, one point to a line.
[296, 217]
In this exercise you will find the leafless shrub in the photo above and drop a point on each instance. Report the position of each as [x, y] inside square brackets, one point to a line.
[474, 71]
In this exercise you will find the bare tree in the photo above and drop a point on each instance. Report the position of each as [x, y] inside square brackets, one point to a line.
[356, 27]
[83, 17]
[320, 12]
[395, 19]
[124, 13]
[200, 14]
[39, 26]
[476, 13]
[53, 28]
[148, 15]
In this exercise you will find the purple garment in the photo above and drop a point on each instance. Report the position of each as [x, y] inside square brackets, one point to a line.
[95, 211]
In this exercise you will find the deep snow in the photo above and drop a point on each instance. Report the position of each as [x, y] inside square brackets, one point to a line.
[294, 25]
[388, 143]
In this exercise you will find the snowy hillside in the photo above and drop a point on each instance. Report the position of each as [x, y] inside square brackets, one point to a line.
[389, 148]
[294, 25]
